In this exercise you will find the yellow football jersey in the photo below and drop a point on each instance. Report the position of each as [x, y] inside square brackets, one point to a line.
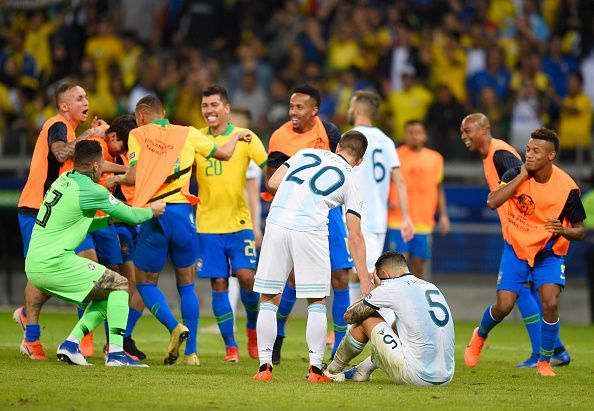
[223, 204]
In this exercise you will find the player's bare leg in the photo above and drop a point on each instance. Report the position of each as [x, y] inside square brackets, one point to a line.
[266, 329]
[249, 298]
[34, 300]
[498, 311]
[549, 297]
[315, 334]
[190, 310]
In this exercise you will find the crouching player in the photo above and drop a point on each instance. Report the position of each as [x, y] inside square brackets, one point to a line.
[419, 350]
[309, 184]
[65, 217]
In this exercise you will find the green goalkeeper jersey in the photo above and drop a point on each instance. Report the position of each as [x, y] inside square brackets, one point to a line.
[68, 214]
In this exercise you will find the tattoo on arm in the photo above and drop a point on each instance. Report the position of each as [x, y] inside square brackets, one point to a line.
[63, 151]
[358, 312]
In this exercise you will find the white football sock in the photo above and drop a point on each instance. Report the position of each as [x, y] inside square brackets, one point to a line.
[115, 348]
[266, 331]
[348, 349]
[233, 294]
[72, 338]
[366, 366]
[317, 328]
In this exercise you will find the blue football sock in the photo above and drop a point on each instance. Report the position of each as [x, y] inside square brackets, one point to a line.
[190, 309]
[284, 309]
[221, 307]
[530, 311]
[25, 312]
[487, 323]
[80, 311]
[558, 342]
[133, 317]
[155, 301]
[549, 335]
[340, 303]
[106, 327]
[32, 332]
[250, 302]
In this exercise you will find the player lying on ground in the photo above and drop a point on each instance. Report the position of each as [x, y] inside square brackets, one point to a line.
[309, 184]
[65, 217]
[419, 350]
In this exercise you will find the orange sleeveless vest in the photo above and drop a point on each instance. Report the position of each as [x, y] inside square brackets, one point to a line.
[493, 178]
[288, 142]
[528, 210]
[39, 172]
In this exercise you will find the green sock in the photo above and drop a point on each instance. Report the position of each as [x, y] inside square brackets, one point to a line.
[94, 314]
[117, 316]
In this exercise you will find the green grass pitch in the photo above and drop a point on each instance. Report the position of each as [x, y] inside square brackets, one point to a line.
[493, 384]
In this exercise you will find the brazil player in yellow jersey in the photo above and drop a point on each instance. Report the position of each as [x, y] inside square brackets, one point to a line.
[224, 225]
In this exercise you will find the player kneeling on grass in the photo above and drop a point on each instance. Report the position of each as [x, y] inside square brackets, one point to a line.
[309, 184]
[419, 350]
[65, 217]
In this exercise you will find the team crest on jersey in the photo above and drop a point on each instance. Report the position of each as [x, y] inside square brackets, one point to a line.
[525, 204]
[132, 155]
[113, 200]
[91, 266]
[199, 265]
[499, 275]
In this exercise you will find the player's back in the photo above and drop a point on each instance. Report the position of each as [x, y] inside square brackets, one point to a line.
[424, 323]
[61, 223]
[317, 181]
[373, 177]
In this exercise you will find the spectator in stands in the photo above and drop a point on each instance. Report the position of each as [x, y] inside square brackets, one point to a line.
[443, 119]
[254, 97]
[526, 114]
[495, 76]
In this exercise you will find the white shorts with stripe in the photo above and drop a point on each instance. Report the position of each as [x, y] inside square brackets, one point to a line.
[387, 353]
[305, 251]
[374, 247]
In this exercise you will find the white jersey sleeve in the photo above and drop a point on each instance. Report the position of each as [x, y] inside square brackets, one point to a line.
[253, 171]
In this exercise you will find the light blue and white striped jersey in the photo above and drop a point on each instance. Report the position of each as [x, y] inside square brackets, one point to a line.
[317, 181]
[373, 177]
[424, 324]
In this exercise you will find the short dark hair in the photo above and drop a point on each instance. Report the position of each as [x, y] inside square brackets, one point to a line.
[63, 88]
[413, 122]
[547, 135]
[370, 98]
[310, 91]
[150, 103]
[354, 142]
[390, 259]
[121, 126]
[86, 152]
[216, 89]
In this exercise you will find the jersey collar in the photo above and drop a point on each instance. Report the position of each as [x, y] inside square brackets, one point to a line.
[345, 160]
[226, 132]
[393, 280]
[162, 122]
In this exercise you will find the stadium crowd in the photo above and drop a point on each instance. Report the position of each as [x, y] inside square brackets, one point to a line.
[525, 64]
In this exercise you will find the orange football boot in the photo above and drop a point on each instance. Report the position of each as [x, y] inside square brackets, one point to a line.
[544, 369]
[33, 350]
[86, 345]
[232, 354]
[264, 373]
[474, 348]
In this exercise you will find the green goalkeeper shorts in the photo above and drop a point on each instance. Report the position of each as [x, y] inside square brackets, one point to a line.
[70, 277]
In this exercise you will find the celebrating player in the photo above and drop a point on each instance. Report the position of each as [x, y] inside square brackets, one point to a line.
[423, 172]
[161, 157]
[309, 184]
[67, 213]
[223, 221]
[419, 350]
[380, 165]
[306, 130]
[544, 213]
[52, 156]
[498, 158]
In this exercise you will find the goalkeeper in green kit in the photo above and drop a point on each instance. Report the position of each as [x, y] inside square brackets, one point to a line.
[65, 217]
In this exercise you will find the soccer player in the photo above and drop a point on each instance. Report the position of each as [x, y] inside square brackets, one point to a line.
[306, 130]
[52, 156]
[423, 173]
[116, 138]
[380, 166]
[499, 157]
[419, 350]
[544, 213]
[161, 156]
[223, 221]
[67, 213]
[309, 184]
